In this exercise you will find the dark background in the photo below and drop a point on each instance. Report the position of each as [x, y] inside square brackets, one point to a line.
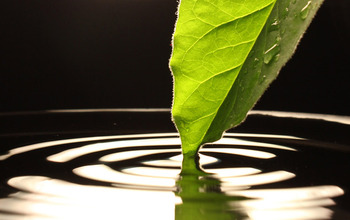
[64, 54]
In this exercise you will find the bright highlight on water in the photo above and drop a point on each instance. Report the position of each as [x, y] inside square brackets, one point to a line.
[144, 172]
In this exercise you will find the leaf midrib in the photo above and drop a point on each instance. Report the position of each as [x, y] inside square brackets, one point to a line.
[217, 110]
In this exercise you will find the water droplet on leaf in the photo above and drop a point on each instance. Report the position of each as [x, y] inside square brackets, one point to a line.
[285, 13]
[277, 56]
[305, 11]
[278, 39]
[262, 79]
[274, 26]
[256, 62]
[271, 53]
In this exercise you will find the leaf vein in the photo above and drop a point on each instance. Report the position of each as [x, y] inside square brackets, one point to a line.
[217, 26]
[205, 116]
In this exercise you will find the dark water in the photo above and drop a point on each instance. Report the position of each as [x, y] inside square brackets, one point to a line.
[245, 175]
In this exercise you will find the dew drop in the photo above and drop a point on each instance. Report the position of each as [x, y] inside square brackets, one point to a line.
[305, 11]
[256, 62]
[285, 13]
[274, 26]
[267, 59]
[278, 39]
[271, 53]
[277, 56]
[262, 79]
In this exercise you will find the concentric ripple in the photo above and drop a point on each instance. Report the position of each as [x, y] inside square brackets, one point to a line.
[137, 176]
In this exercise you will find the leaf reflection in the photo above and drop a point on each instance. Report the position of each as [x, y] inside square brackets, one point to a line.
[207, 196]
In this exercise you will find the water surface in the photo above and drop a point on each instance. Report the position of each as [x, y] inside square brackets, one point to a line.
[124, 175]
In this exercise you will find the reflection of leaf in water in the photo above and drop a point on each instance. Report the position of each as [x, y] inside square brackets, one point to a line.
[225, 55]
[201, 195]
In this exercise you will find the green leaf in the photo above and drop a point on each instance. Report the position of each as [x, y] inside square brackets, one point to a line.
[225, 54]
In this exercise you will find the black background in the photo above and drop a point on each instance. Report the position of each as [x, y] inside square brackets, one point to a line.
[64, 54]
